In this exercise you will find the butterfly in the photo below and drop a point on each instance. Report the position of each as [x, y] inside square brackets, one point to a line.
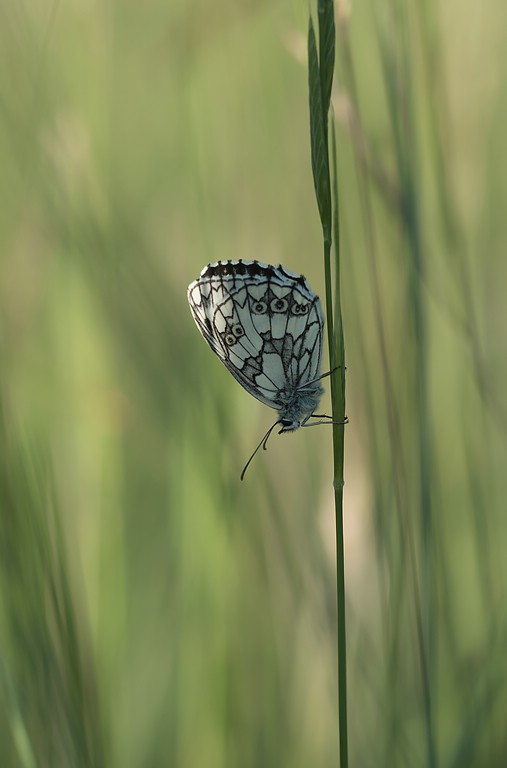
[266, 325]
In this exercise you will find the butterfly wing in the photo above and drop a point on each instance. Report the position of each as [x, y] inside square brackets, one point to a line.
[263, 322]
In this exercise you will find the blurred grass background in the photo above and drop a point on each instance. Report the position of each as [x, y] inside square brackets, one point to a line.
[153, 610]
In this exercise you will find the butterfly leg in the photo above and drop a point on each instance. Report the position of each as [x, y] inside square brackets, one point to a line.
[322, 376]
[323, 419]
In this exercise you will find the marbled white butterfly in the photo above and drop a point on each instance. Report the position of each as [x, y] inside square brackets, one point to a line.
[266, 326]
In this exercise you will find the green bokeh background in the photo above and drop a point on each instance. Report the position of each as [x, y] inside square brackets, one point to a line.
[154, 611]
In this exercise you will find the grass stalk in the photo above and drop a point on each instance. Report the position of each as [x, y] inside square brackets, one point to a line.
[337, 348]
[320, 71]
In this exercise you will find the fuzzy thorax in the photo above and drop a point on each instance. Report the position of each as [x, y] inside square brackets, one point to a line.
[298, 406]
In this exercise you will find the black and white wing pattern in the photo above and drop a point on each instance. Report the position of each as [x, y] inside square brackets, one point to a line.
[266, 326]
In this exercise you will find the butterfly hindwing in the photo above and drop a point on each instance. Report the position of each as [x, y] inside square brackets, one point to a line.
[264, 323]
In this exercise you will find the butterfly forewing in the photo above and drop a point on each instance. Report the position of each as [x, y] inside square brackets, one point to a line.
[266, 326]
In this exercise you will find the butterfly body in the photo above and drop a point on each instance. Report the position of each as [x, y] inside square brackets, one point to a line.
[266, 325]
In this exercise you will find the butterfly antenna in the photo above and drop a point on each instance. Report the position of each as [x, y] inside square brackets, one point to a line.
[262, 444]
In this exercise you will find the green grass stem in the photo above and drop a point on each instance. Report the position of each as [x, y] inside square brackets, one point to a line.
[320, 70]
